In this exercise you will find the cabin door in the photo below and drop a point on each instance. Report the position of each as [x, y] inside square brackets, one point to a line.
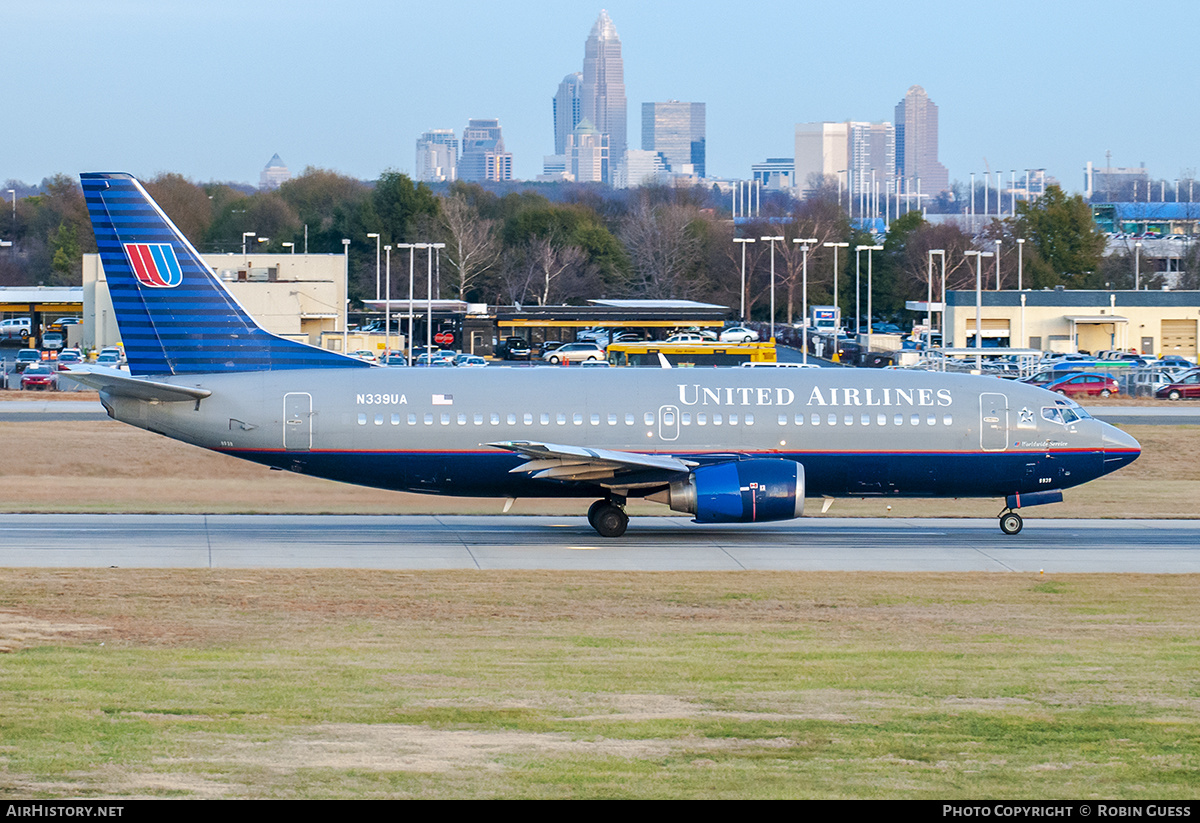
[297, 421]
[668, 422]
[993, 422]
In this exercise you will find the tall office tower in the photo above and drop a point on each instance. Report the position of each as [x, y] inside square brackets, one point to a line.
[483, 155]
[676, 130]
[917, 145]
[872, 149]
[822, 152]
[603, 91]
[637, 168]
[274, 174]
[568, 109]
[437, 156]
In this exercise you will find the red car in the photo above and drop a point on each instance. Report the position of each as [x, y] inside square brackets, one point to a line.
[40, 376]
[1090, 385]
[1188, 386]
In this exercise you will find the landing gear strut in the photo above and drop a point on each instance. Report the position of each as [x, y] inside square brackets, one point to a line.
[1010, 522]
[608, 517]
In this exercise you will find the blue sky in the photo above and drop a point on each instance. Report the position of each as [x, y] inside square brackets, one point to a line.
[211, 90]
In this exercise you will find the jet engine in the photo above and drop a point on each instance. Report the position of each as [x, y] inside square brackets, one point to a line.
[746, 491]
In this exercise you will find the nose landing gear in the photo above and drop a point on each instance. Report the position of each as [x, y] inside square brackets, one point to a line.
[608, 517]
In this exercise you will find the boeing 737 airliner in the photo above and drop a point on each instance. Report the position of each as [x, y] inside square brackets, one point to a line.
[726, 445]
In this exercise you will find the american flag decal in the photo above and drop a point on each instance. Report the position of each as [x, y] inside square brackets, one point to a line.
[154, 264]
[443, 400]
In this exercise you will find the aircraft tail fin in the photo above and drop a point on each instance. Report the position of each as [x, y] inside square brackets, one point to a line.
[175, 315]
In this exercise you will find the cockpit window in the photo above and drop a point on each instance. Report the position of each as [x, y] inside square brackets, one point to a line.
[1052, 414]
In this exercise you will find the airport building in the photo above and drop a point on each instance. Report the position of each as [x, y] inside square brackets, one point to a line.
[298, 296]
[1155, 323]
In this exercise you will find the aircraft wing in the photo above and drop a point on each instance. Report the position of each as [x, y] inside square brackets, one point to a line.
[603, 467]
[122, 384]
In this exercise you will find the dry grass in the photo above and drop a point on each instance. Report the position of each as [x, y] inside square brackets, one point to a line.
[105, 466]
[345, 683]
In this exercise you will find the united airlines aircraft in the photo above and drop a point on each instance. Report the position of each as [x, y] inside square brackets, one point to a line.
[725, 445]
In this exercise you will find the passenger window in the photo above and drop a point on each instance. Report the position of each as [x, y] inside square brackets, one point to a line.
[462, 420]
[379, 420]
[412, 420]
[362, 420]
[800, 420]
[716, 419]
[445, 420]
[866, 419]
[528, 419]
[649, 418]
[947, 420]
[496, 419]
[544, 419]
[479, 419]
[898, 420]
[849, 420]
[881, 419]
[816, 419]
[931, 420]
[561, 419]
[577, 419]
[701, 419]
[733, 419]
[749, 420]
[595, 420]
[686, 418]
[612, 420]
[395, 420]
[629, 420]
[429, 420]
[916, 420]
[783, 419]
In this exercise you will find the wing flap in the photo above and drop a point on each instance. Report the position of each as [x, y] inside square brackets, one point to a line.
[605, 467]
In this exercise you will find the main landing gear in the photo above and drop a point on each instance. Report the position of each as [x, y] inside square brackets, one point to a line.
[608, 517]
[1010, 522]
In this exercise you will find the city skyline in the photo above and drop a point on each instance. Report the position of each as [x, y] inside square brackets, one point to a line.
[1016, 88]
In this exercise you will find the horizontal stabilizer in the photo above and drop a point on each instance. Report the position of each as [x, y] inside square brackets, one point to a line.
[119, 384]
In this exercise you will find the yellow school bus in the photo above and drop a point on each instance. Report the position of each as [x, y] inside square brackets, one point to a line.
[684, 355]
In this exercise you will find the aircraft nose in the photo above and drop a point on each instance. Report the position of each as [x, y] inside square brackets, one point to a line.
[1119, 447]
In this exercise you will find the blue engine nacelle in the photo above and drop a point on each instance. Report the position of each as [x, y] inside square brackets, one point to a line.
[747, 491]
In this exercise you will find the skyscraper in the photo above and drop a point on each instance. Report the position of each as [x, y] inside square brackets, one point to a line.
[675, 130]
[483, 155]
[917, 144]
[273, 174]
[822, 153]
[603, 90]
[437, 156]
[568, 109]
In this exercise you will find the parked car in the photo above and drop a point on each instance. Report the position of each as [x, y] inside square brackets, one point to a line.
[364, 354]
[26, 358]
[470, 361]
[515, 348]
[1187, 387]
[574, 353]
[68, 358]
[395, 360]
[53, 340]
[738, 334]
[686, 337]
[110, 360]
[15, 328]
[40, 376]
[435, 360]
[1089, 385]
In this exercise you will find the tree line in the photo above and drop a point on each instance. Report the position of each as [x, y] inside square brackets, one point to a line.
[537, 244]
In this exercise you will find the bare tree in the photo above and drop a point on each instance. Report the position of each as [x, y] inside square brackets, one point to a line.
[663, 247]
[548, 262]
[472, 247]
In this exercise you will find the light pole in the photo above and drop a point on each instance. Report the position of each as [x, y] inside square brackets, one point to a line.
[1137, 266]
[291, 246]
[743, 241]
[432, 247]
[13, 192]
[835, 247]
[773, 239]
[997, 265]
[1020, 263]
[346, 295]
[376, 236]
[869, 314]
[929, 316]
[246, 234]
[804, 244]
[412, 247]
[387, 308]
[978, 255]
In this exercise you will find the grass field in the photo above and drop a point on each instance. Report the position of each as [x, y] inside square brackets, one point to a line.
[296, 684]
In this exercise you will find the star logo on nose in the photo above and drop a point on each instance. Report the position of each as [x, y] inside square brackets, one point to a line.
[1026, 415]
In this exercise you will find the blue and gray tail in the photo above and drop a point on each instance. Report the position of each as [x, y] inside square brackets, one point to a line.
[175, 316]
